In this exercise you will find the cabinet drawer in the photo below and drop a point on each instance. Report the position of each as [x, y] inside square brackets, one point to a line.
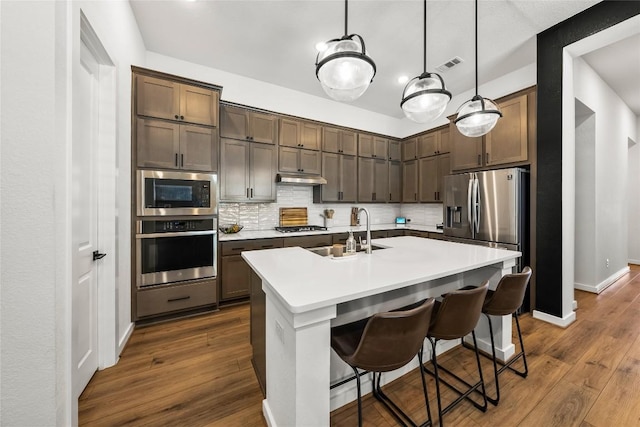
[416, 233]
[165, 300]
[236, 247]
[395, 233]
[437, 236]
[308, 241]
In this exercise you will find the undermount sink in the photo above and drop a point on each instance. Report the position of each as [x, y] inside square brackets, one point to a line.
[328, 250]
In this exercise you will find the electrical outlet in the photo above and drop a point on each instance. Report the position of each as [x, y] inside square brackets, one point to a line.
[280, 332]
[607, 262]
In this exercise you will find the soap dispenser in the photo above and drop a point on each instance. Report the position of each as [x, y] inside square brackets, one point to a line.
[351, 244]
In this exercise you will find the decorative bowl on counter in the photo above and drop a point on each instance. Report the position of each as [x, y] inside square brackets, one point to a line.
[230, 228]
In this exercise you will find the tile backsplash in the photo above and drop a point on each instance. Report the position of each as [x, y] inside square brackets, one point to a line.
[265, 216]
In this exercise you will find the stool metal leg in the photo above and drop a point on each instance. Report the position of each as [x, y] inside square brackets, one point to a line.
[359, 396]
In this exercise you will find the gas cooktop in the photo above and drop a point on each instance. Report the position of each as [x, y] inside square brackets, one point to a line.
[296, 228]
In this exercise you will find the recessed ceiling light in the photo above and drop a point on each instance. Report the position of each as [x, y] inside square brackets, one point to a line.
[403, 79]
[321, 46]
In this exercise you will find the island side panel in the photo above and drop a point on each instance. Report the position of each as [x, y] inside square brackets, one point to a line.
[298, 365]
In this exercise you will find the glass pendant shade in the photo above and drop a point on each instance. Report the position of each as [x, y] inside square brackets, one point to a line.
[477, 116]
[344, 69]
[424, 98]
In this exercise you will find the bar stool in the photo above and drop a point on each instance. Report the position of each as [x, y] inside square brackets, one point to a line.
[454, 318]
[505, 300]
[383, 343]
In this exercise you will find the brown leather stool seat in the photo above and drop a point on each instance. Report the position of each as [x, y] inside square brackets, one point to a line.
[454, 318]
[506, 300]
[382, 343]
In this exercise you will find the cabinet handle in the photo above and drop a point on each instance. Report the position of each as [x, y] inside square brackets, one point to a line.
[487, 158]
[237, 249]
[252, 193]
[435, 195]
[247, 192]
[415, 196]
[301, 170]
[182, 160]
[176, 160]
[178, 299]
[301, 145]
[479, 158]
[390, 198]
[181, 117]
[176, 116]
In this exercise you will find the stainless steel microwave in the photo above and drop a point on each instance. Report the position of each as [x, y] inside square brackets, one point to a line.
[162, 193]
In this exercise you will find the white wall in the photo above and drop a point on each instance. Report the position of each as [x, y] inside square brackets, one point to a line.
[35, 190]
[634, 198]
[615, 123]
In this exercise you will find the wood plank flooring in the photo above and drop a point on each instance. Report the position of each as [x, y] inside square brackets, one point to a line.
[197, 372]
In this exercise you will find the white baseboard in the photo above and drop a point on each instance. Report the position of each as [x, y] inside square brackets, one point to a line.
[596, 289]
[268, 416]
[563, 322]
[125, 337]
[634, 261]
[575, 305]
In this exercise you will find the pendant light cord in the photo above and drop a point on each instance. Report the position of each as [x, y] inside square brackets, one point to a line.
[346, 16]
[424, 49]
[476, 47]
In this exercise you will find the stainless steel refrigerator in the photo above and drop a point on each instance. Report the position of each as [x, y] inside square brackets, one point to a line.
[488, 208]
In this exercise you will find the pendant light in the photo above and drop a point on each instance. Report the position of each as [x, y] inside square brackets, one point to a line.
[343, 68]
[479, 115]
[425, 98]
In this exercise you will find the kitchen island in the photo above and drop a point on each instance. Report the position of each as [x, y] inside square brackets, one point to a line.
[307, 294]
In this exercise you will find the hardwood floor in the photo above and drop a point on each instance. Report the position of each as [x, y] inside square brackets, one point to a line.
[198, 372]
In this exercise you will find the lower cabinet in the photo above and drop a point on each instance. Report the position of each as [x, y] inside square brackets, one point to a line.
[170, 299]
[308, 241]
[233, 272]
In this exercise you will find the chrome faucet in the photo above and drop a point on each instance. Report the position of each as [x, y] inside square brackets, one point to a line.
[367, 246]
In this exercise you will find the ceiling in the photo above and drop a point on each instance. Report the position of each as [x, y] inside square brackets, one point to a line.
[273, 41]
[619, 66]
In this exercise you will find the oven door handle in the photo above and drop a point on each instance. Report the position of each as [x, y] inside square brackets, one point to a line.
[176, 234]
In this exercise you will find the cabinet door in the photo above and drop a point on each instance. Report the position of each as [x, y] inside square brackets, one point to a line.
[233, 123]
[349, 178]
[311, 136]
[262, 175]
[395, 182]
[198, 148]
[236, 277]
[366, 173]
[309, 162]
[381, 180]
[289, 133]
[198, 105]
[410, 181]
[331, 172]
[428, 179]
[365, 145]
[409, 150]
[508, 141]
[444, 169]
[158, 144]
[234, 170]
[349, 143]
[380, 148]
[157, 98]
[466, 153]
[288, 159]
[263, 128]
[428, 144]
[395, 152]
[445, 143]
[330, 140]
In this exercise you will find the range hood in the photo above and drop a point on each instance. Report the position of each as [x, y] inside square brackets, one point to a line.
[293, 179]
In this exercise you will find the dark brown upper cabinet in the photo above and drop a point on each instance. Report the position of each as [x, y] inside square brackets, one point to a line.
[165, 99]
[410, 149]
[248, 125]
[372, 146]
[339, 141]
[300, 134]
[395, 150]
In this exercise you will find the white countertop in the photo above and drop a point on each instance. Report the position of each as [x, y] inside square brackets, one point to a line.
[304, 281]
[269, 234]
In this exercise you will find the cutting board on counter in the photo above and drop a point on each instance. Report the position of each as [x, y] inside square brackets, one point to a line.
[293, 216]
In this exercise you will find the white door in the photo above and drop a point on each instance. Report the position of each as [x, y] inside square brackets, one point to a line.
[84, 319]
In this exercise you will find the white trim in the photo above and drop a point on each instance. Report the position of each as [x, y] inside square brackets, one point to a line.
[575, 305]
[125, 337]
[563, 322]
[596, 289]
[634, 261]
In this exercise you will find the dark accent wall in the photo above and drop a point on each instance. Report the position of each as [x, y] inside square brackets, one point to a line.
[549, 194]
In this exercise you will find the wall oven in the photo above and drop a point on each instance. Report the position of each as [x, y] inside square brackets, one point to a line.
[163, 193]
[175, 250]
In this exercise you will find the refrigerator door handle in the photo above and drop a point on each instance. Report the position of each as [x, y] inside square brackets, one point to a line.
[476, 205]
[469, 205]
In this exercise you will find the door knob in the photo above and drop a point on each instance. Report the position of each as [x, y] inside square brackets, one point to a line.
[97, 255]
